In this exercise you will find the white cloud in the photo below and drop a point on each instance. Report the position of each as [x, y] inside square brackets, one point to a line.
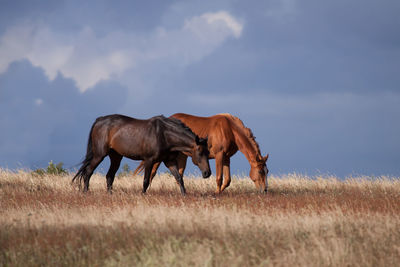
[83, 57]
[48, 50]
[88, 58]
[214, 25]
[14, 45]
[224, 17]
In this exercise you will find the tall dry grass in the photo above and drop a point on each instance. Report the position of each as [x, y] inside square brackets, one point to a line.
[302, 221]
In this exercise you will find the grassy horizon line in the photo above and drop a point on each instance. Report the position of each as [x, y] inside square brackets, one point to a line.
[301, 221]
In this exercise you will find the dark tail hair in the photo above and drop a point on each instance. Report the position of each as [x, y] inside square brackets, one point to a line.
[139, 169]
[88, 158]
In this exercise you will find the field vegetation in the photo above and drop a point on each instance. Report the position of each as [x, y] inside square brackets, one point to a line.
[302, 221]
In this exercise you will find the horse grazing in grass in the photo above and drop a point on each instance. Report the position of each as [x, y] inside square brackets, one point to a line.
[226, 135]
[153, 141]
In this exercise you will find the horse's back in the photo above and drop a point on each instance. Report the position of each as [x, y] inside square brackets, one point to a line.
[206, 125]
[218, 129]
[115, 119]
[126, 135]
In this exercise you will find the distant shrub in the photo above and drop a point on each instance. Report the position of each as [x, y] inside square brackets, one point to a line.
[126, 171]
[52, 169]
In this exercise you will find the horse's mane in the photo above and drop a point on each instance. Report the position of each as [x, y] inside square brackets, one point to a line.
[246, 131]
[176, 124]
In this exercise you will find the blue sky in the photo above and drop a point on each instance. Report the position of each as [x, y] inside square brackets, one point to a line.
[318, 82]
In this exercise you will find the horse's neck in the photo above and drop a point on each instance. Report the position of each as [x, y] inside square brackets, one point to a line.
[245, 146]
[180, 142]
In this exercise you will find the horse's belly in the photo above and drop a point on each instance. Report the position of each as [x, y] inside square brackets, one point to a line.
[131, 147]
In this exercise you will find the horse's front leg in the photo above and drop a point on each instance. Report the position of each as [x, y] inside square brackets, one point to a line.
[147, 173]
[226, 172]
[219, 158]
[181, 160]
[173, 167]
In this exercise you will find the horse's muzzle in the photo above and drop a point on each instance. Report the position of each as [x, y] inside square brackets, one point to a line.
[265, 191]
[206, 174]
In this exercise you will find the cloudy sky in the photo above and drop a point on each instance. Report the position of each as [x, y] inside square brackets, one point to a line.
[318, 82]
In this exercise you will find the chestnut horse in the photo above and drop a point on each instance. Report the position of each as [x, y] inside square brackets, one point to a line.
[226, 135]
[153, 141]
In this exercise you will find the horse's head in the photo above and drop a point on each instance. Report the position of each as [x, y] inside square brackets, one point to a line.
[200, 156]
[259, 172]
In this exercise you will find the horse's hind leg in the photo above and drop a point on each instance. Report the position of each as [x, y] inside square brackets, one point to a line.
[172, 166]
[89, 171]
[148, 166]
[115, 161]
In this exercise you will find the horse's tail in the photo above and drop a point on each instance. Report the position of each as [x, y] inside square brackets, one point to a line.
[81, 174]
[139, 169]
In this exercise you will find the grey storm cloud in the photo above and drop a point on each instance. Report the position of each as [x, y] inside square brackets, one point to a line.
[316, 81]
[48, 120]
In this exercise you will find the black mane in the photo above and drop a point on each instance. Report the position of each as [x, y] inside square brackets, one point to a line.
[175, 124]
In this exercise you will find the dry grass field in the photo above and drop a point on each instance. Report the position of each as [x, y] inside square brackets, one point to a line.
[302, 221]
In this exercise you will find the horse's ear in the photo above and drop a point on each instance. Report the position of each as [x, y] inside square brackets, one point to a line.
[266, 158]
[197, 140]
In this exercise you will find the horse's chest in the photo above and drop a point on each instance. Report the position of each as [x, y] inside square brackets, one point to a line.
[228, 147]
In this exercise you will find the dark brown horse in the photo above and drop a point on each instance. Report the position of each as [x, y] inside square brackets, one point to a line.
[226, 135]
[153, 141]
